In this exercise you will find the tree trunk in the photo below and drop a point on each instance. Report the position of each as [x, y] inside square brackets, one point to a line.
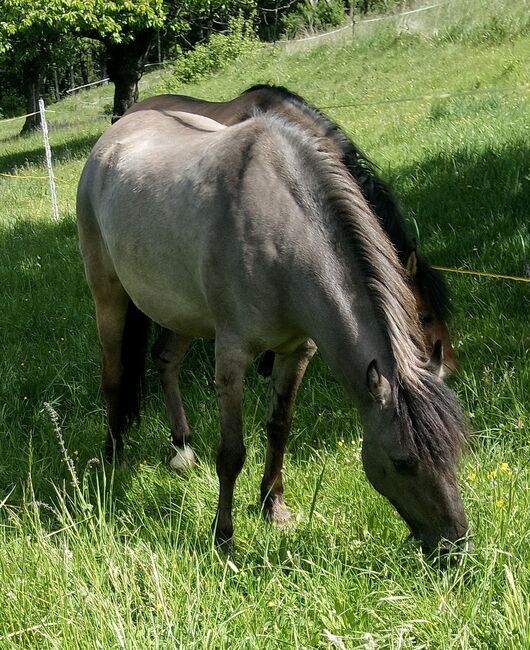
[84, 69]
[32, 82]
[124, 68]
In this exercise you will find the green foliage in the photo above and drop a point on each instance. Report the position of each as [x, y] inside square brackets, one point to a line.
[221, 49]
[311, 17]
[33, 22]
[375, 6]
[36, 33]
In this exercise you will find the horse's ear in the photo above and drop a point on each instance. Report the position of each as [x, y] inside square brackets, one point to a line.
[435, 364]
[412, 263]
[378, 385]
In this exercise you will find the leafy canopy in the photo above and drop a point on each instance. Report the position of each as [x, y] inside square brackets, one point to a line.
[31, 26]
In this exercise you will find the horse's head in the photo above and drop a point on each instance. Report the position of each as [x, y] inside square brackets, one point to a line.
[431, 312]
[410, 453]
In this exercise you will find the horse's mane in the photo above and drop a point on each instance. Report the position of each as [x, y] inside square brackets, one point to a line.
[430, 418]
[378, 195]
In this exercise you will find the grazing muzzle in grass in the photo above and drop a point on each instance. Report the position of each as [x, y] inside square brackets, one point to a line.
[410, 453]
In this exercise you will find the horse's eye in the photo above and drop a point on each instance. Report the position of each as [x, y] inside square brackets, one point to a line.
[405, 466]
[426, 318]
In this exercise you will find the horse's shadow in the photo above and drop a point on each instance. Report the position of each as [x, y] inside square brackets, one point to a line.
[474, 203]
[478, 219]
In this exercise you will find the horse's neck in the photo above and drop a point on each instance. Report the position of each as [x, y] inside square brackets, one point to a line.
[348, 331]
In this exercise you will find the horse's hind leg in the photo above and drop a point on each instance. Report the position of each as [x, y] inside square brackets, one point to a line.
[123, 332]
[287, 375]
[231, 361]
[168, 353]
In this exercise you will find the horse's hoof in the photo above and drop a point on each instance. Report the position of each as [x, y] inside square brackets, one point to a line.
[183, 460]
[224, 540]
[278, 513]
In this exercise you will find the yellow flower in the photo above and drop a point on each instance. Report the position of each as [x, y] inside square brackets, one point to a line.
[492, 474]
[504, 467]
[472, 476]
[340, 443]
[500, 503]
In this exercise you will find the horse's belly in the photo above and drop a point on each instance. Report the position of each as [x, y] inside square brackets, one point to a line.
[175, 301]
[176, 313]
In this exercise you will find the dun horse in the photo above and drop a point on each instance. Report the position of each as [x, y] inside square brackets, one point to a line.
[256, 235]
[428, 287]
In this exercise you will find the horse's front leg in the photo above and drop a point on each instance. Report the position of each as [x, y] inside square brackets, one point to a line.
[168, 352]
[231, 362]
[287, 375]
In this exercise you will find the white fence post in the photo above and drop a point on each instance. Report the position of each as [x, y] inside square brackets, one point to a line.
[48, 159]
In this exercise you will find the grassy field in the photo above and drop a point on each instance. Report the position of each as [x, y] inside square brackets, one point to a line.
[95, 559]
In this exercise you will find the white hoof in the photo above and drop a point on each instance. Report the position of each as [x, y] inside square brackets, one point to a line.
[183, 460]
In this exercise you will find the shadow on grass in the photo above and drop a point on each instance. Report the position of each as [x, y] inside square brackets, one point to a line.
[471, 207]
[75, 148]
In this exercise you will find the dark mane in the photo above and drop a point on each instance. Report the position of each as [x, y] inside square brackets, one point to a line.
[378, 195]
[434, 288]
[430, 418]
[432, 423]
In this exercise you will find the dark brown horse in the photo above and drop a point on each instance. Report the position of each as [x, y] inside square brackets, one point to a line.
[427, 285]
[256, 235]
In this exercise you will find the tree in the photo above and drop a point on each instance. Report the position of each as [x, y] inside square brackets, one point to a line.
[32, 33]
[126, 29]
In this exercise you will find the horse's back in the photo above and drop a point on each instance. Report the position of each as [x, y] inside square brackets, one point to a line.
[227, 113]
[192, 215]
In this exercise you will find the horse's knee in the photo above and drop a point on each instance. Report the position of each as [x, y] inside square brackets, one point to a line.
[160, 356]
[110, 384]
[111, 371]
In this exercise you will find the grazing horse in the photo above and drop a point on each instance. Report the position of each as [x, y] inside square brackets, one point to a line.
[428, 286]
[256, 235]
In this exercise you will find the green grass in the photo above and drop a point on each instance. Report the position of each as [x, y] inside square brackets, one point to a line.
[125, 560]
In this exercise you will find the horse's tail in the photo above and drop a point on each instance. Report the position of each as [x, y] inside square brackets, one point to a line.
[133, 353]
